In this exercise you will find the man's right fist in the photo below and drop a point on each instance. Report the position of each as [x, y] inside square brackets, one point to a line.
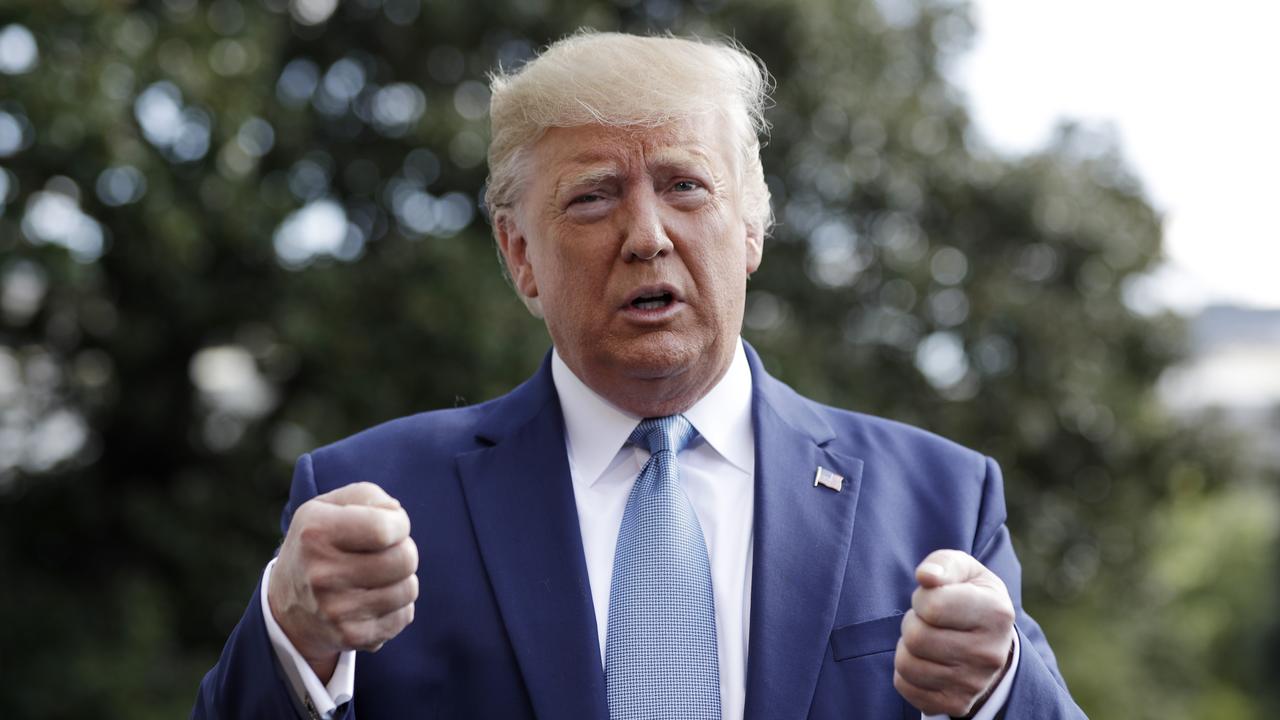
[345, 578]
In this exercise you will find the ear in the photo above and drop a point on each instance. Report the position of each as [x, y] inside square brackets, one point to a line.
[755, 246]
[514, 245]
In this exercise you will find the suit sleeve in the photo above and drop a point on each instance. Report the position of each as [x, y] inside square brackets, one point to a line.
[248, 681]
[1038, 689]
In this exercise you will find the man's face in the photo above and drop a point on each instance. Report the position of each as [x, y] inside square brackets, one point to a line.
[634, 243]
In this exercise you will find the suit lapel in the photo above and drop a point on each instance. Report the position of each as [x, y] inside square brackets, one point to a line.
[801, 547]
[520, 498]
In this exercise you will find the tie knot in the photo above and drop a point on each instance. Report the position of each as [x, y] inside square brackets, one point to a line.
[672, 432]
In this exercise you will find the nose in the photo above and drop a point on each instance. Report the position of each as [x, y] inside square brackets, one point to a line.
[644, 237]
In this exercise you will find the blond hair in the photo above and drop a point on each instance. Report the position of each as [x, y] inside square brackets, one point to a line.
[628, 81]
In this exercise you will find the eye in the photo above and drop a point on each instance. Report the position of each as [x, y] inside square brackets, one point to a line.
[586, 198]
[685, 186]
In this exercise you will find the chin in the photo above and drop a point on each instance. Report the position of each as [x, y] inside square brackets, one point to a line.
[658, 355]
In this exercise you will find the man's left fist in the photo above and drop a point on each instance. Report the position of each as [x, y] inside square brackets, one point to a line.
[956, 638]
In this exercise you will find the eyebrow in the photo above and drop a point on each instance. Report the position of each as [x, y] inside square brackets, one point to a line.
[674, 156]
[663, 158]
[591, 176]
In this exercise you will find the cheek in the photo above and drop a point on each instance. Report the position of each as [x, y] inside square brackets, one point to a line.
[721, 256]
[575, 264]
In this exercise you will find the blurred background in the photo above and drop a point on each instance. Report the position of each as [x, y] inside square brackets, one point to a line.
[233, 230]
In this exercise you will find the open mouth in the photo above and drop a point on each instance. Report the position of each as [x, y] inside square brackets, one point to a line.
[655, 301]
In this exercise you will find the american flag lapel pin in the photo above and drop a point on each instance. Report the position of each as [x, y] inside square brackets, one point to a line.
[826, 478]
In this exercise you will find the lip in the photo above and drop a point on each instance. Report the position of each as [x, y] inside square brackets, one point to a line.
[655, 315]
[649, 290]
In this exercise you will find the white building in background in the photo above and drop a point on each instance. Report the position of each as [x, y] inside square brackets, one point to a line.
[1234, 368]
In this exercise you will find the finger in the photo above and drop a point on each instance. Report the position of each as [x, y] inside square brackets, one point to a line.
[920, 672]
[935, 687]
[945, 567]
[371, 634]
[361, 528]
[983, 653]
[370, 604]
[962, 607]
[382, 567]
[931, 643]
[931, 702]
[360, 493]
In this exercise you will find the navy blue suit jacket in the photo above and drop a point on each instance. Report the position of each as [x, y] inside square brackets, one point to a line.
[504, 623]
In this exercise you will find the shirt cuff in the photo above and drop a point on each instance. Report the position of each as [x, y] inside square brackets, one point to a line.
[995, 702]
[305, 683]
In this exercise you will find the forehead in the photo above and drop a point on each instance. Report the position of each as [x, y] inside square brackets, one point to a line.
[703, 138]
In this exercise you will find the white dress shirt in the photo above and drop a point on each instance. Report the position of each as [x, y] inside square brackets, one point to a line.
[717, 471]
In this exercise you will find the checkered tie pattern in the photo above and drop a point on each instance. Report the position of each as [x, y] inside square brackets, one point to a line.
[660, 653]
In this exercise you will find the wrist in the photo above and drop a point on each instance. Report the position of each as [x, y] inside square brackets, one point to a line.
[321, 657]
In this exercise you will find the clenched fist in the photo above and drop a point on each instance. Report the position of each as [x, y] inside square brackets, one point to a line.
[957, 637]
[345, 578]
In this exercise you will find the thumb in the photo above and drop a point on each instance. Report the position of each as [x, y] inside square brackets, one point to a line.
[947, 567]
[361, 493]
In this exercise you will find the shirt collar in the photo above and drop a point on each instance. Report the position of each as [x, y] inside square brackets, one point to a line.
[596, 429]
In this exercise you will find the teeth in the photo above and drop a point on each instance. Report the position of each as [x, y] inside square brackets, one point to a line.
[652, 303]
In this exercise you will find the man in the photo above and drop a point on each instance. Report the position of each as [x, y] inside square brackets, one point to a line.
[651, 526]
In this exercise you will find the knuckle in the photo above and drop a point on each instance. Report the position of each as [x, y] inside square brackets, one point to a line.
[964, 684]
[926, 610]
[912, 630]
[901, 685]
[973, 689]
[1005, 614]
[321, 576]
[311, 534]
[308, 509]
[401, 561]
[358, 492]
[994, 580]
[991, 658]
[301, 517]
[406, 617]
[381, 529]
[331, 615]
[927, 702]
[940, 702]
[364, 528]
[355, 636]
[411, 553]
[314, 577]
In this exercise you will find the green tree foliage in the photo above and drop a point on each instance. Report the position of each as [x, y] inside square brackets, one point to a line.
[231, 231]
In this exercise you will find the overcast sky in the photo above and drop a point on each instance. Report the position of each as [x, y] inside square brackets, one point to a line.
[1191, 89]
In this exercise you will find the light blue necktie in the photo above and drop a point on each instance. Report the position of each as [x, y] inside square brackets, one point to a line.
[660, 654]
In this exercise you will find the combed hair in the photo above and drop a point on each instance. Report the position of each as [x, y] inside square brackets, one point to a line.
[627, 81]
